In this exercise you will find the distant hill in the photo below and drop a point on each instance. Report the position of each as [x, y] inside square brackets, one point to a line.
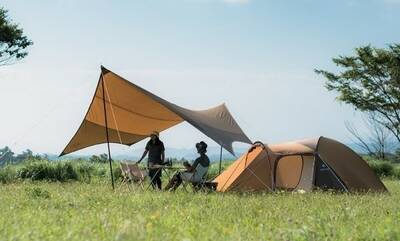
[178, 153]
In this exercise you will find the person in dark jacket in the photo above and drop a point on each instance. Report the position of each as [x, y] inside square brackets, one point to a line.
[155, 149]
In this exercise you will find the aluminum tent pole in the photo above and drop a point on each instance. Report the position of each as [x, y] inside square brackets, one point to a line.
[220, 160]
[107, 135]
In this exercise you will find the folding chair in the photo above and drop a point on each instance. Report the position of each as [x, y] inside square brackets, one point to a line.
[131, 173]
[197, 186]
[202, 184]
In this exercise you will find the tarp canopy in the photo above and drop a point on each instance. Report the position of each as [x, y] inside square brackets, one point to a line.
[132, 113]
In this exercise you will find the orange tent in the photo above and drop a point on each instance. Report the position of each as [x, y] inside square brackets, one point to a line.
[320, 163]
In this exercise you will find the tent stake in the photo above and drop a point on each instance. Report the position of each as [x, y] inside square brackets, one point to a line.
[108, 140]
[220, 160]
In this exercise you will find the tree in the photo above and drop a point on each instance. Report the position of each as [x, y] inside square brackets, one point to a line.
[25, 155]
[370, 81]
[6, 155]
[103, 158]
[13, 42]
[377, 143]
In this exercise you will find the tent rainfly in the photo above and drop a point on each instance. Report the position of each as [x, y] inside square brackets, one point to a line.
[122, 112]
[319, 163]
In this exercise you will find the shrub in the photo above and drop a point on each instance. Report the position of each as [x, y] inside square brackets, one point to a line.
[45, 170]
[65, 171]
[382, 168]
[7, 174]
[103, 158]
[85, 171]
[396, 172]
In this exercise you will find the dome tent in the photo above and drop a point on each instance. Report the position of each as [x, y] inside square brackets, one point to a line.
[319, 163]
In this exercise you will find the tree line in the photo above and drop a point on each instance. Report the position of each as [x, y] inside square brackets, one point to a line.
[7, 156]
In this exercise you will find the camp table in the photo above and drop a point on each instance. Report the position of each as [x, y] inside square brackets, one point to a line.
[166, 170]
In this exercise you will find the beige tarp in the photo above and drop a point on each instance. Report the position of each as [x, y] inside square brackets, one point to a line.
[133, 113]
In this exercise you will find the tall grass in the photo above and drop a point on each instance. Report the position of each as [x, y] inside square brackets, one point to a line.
[85, 171]
[56, 171]
[7, 174]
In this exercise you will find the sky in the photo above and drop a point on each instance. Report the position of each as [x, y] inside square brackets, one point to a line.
[257, 56]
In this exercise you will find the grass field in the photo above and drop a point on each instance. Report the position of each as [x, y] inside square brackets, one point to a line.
[79, 211]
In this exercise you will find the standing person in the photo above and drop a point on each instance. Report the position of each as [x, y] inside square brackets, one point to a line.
[194, 172]
[155, 149]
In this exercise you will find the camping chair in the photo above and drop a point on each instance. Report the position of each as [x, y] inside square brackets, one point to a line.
[200, 185]
[205, 185]
[131, 173]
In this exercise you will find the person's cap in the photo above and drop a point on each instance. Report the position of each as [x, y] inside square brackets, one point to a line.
[155, 133]
[201, 145]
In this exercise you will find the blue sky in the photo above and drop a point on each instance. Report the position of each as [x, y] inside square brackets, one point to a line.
[257, 56]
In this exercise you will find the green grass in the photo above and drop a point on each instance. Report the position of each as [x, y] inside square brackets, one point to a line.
[73, 200]
[92, 211]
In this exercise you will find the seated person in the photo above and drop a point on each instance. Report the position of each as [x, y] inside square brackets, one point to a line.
[194, 173]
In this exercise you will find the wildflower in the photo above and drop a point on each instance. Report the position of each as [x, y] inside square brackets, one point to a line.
[301, 191]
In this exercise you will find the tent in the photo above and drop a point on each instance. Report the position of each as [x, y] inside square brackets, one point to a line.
[122, 112]
[319, 163]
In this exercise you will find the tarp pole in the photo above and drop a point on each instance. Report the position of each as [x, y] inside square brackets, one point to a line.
[220, 160]
[108, 139]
